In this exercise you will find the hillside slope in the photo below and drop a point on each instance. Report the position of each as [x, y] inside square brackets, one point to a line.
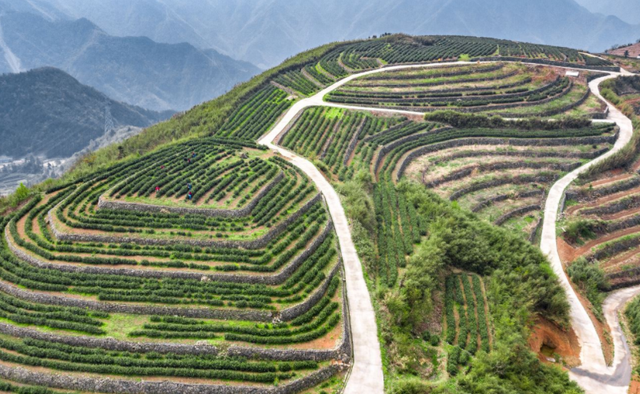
[132, 69]
[48, 112]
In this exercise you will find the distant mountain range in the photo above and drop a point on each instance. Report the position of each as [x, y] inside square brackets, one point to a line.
[136, 70]
[48, 113]
[627, 10]
[265, 32]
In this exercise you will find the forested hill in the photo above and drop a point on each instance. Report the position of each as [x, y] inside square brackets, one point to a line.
[46, 111]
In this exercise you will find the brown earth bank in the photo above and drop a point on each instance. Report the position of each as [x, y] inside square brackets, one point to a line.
[634, 50]
[568, 254]
[546, 335]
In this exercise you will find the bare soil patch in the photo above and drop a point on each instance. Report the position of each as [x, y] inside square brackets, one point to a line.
[548, 338]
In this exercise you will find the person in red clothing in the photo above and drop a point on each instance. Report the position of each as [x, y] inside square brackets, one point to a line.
[157, 189]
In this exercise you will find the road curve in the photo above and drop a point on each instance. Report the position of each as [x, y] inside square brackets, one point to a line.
[366, 376]
[594, 376]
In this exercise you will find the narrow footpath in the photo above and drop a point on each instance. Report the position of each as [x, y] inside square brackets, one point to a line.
[594, 376]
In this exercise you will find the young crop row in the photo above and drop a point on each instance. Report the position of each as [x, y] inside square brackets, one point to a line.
[465, 314]
[297, 81]
[62, 357]
[485, 99]
[302, 243]
[318, 321]
[398, 229]
[259, 112]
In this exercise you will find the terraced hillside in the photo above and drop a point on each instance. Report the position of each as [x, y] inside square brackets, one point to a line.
[601, 216]
[191, 259]
[373, 159]
[510, 90]
[398, 49]
[501, 173]
[520, 90]
[248, 263]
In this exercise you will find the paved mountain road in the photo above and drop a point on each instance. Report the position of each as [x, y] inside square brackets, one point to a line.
[366, 375]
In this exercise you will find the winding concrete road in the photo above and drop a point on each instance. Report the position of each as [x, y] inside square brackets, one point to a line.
[594, 376]
[366, 375]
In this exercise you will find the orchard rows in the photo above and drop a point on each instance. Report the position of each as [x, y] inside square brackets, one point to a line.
[249, 259]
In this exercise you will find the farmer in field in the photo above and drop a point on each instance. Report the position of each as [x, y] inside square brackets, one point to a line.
[157, 189]
[189, 195]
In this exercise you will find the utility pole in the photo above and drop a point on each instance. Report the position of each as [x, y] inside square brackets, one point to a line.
[108, 119]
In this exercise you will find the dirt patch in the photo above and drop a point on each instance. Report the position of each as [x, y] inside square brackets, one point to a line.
[634, 51]
[611, 176]
[549, 342]
[567, 252]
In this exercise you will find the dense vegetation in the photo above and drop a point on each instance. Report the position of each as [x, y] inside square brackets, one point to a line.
[517, 289]
[169, 238]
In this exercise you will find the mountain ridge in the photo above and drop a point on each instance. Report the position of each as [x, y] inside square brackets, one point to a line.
[47, 112]
[266, 32]
[136, 70]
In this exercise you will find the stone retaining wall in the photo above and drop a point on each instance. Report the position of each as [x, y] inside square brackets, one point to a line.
[615, 248]
[387, 131]
[123, 386]
[546, 63]
[517, 212]
[583, 195]
[390, 146]
[613, 226]
[103, 203]
[234, 278]
[288, 128]
[614, 207]
[493, 107]
[341, 352]
[334, 132]
[532, 236]
[465, 80]
[519, 153]
[193, 312]
[502, 197]
[449, 99]
[552, 112]
[311, 78]
[502, 141]
[503, 181]
[459, 90]
[253, 244]
[467, 171]
[466, 70]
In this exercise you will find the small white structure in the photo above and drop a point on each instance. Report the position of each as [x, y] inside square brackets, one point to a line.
[574, 74]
